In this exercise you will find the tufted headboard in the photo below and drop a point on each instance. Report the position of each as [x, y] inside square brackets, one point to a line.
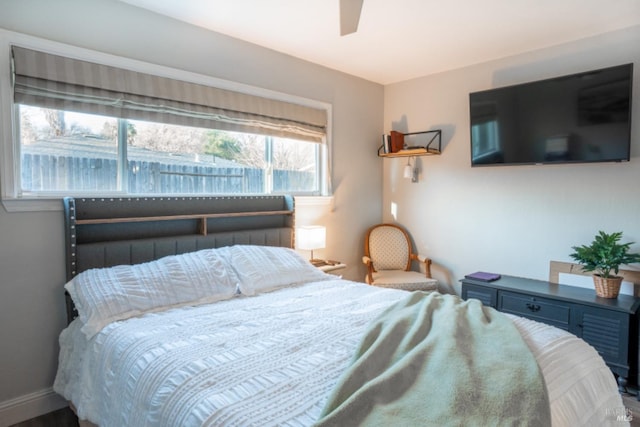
[103, 232]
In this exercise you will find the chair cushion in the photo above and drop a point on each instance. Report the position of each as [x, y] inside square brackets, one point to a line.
[407, 280]
[388, 248]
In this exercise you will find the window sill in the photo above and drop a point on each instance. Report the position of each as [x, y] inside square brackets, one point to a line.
[32, 205]
[314, 200]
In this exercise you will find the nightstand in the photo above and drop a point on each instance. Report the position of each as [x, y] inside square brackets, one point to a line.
[330, 268]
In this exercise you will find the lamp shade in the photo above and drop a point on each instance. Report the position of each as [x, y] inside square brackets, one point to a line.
[311, 237]
[408, 171]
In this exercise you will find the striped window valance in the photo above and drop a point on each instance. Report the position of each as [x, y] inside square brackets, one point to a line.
[52, 81]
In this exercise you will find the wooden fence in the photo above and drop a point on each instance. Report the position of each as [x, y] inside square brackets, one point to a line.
[42, 172]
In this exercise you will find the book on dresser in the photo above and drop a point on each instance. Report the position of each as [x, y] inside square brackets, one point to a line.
[483, 276]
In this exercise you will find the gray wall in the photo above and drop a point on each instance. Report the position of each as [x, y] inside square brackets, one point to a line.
[31, 244]
[508, 219]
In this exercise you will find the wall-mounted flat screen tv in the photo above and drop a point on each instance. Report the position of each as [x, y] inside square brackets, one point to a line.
[578, 118]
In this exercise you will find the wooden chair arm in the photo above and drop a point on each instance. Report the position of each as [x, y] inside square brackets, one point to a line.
[367, 261]
[426, 261]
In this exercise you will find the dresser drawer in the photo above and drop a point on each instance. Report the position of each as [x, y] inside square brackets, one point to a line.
[541, 309]
[487, 296]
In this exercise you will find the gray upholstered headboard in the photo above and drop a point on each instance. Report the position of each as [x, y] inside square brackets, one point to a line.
[103, 232]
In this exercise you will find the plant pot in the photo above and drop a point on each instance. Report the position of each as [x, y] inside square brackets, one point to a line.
[608, 287]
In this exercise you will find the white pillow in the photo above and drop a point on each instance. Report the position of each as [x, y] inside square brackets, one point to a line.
[104, 295]
[266, 268]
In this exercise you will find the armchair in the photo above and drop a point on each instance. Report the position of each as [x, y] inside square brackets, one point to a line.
[388, 257]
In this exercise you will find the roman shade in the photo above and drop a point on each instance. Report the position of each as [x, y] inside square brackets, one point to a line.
[52, 81]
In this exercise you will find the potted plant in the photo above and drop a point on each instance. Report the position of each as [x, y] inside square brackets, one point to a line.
[603, 257]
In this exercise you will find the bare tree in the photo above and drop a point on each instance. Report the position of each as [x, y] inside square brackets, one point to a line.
[27, 132]
[55, 118]
[286, 154]
[170, 138]
[109, 130]
[252, 150]
[293, 155]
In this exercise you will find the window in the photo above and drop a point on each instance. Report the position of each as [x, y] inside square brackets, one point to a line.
[485, 132]
[66, 152]
[87, 128]
[487, 139]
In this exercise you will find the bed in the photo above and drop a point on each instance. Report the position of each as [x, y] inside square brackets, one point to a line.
[196, 311]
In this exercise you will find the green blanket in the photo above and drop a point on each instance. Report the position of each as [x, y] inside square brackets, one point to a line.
[435, 360]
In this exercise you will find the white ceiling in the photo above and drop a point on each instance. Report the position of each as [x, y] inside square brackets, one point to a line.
[402, 39]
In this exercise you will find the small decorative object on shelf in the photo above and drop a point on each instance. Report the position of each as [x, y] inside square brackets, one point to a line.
[399, 144]
[397, 141]
[603, 256]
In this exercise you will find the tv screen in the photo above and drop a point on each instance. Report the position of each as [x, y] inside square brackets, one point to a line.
[583, 117]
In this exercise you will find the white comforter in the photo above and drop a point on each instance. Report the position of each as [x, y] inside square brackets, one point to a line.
[272, 360]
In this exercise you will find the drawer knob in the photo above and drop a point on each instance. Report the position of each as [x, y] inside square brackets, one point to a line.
[533, 307]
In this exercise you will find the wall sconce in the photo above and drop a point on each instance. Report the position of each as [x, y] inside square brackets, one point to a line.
[311, 237]
[411, 172]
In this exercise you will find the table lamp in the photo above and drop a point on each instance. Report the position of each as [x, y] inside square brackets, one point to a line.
[312, 237]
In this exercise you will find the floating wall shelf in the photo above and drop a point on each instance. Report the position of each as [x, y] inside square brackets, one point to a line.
[432, 147]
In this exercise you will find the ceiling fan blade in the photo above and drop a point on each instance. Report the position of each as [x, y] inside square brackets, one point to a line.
[349, 16]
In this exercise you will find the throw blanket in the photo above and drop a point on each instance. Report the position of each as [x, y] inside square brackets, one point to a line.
[435, 360]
